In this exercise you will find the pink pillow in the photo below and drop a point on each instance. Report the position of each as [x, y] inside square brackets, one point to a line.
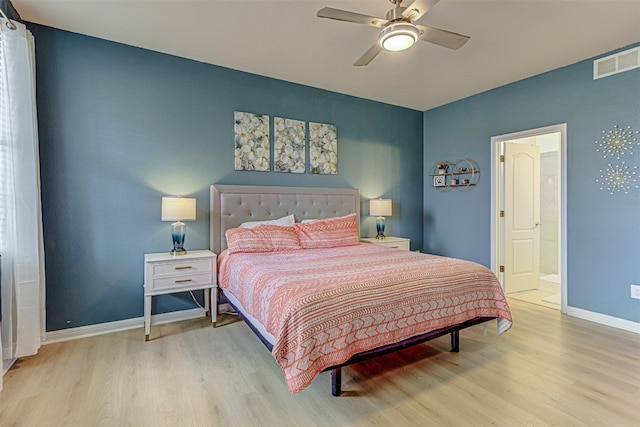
[329, 233]
[263, 238]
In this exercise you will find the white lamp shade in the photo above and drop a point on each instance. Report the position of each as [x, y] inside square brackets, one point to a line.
[178, 209]
[380, 207]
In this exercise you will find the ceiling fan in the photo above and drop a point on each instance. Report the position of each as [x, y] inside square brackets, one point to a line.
[399, 31]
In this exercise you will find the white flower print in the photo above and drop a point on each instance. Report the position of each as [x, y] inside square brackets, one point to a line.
[323, 148]
[251, 141]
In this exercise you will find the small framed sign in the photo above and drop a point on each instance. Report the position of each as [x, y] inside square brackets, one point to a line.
[439, 181]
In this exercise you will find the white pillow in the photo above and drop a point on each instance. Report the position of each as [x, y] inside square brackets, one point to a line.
[285, 221]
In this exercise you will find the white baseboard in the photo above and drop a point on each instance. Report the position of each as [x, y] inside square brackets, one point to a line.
[604, 319]
[120, 325]
[225, 308]
[157, 319]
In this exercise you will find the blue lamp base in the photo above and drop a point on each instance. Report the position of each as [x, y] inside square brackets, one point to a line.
[178, 231]
[380, 227]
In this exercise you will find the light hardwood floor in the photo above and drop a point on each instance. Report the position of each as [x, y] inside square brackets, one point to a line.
[549, 369]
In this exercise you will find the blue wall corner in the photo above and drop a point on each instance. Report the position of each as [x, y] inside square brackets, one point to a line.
[119, 127]
[603, 229]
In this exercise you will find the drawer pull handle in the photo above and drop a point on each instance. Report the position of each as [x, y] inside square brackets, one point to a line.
[184, 281]
[393, 247]
[187, 267]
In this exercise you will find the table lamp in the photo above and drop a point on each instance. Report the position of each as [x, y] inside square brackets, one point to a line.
[380, 208]
[178, 209]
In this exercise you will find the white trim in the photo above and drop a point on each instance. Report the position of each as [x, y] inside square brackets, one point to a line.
[495, 206]
[120, 325]
[225, 308]
[158, 319]
[495, 199]
[604, 319]
[564, 239]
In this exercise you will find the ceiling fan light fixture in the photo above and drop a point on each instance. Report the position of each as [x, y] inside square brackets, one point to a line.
[398, 36]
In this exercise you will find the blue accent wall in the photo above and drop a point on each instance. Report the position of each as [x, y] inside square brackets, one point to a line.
[603, 230]
[119, 127]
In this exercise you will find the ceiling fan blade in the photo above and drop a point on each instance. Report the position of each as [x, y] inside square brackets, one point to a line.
[368, 55]
[346, 16]
[443, 38]
[418, 8]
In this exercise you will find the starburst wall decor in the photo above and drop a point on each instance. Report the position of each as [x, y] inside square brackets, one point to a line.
[617, 142]
[618, 178]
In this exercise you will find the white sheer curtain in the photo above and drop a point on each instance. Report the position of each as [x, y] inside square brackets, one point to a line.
[21, 246]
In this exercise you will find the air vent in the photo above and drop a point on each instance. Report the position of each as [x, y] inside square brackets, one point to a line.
[618, 63]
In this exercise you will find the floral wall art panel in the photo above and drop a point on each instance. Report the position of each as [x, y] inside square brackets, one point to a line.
[323, 148]
[289, 141]
[251, 141]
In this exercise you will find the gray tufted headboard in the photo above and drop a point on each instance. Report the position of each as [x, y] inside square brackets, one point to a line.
[231, 205]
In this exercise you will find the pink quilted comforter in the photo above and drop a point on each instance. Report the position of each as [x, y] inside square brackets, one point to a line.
[325, 305]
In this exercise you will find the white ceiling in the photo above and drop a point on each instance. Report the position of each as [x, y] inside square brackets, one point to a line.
[510, 40]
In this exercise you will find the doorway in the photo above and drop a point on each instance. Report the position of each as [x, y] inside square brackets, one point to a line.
[528, 199]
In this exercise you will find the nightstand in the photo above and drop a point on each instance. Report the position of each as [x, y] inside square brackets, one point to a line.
[165, 274]
[390, 242]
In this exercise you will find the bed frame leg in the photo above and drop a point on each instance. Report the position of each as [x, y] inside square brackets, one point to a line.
[336, 381]
[455, 341]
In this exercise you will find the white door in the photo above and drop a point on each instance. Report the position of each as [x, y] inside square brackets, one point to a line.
[521, 217]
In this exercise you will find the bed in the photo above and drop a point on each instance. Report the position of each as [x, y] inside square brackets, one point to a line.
[318, 305]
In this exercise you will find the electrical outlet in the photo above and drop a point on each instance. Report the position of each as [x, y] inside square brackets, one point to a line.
[635, 291]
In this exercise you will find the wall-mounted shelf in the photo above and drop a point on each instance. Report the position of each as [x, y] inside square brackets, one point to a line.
[459, 174]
